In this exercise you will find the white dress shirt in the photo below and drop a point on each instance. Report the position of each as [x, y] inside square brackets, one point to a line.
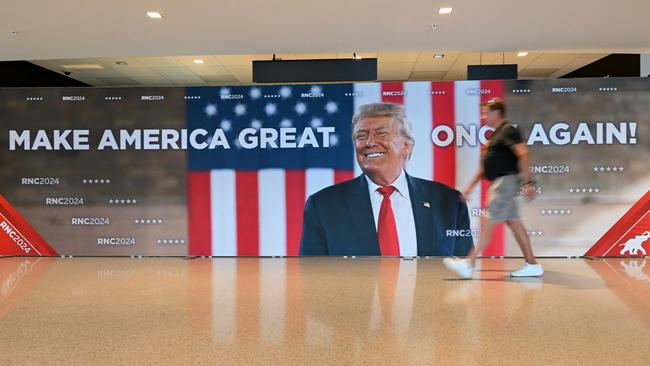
[400, 201]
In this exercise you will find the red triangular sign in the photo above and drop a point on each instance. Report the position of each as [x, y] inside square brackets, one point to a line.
[629, 237]
[17, 237]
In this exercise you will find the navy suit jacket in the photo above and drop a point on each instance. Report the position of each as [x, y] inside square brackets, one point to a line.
[338, 220]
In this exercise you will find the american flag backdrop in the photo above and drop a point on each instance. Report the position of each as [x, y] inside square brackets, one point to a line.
[249, 202]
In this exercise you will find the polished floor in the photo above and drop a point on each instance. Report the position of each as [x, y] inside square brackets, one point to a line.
[90, 311]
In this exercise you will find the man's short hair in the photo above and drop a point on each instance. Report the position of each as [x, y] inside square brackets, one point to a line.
[393, 110]
[495, 104]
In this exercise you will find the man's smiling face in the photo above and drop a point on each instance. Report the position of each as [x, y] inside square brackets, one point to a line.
[381, 148]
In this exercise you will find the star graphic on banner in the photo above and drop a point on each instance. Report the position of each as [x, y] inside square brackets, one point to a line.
[301, 108]
[210, 110]
[331, 107]
[240, 109]
[255, 93]
[334, 140]
[270, 109]
[286, 123]
[285, 92]
[226, 125]
[316, 122]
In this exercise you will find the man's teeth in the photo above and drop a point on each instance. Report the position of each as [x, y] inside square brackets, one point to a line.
[374, 155]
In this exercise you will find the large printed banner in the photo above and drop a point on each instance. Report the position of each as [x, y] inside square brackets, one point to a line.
[227, 171]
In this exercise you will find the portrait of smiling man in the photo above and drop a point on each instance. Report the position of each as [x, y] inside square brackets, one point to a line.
[385, 211]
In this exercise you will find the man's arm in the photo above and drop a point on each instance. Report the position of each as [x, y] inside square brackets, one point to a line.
[463, 243]
[523, 160]
[470, 186]
[313, 238]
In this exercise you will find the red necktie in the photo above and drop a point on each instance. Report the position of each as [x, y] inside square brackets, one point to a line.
[386, 227]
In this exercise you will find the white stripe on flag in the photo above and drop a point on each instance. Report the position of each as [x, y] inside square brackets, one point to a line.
[368, 93]
[467, 111]
[224, 300]
[273, 278]
[223, 212]
[317, 179]
[272, 212]
[418, 111]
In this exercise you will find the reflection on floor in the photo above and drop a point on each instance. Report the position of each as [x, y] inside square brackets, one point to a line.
[321, 311]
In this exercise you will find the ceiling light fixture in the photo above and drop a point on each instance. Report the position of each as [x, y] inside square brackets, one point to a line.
[355, 57]
[522, 54]
[439, 55]
[445, 11]
[82, 66]
[198, 61]
[154, 15]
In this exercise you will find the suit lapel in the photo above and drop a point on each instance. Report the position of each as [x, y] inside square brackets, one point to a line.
[423, 216]
[362, 217]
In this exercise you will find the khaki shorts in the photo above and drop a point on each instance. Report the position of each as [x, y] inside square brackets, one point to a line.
[502, 192]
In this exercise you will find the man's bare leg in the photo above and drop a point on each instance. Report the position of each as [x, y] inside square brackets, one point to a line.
[523, 240]
[487, 227]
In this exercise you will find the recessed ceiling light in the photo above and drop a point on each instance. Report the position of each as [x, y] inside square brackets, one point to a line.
[121, 63]
[439, 55]
[445, 10]
[522, 54]
[154, 14]
[197, 61]
[82, 66]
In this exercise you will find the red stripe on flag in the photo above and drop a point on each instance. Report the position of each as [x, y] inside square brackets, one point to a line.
[444, 158]
[392, 92]
[295, 193]
[342, 175]
[248, 226]
[497, 244]
[199, 214]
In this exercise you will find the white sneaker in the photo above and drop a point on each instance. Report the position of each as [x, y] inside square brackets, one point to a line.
[528, 270]
[461, 267]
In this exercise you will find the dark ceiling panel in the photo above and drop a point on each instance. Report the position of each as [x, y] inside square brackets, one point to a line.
[614, 65]
[27, 74]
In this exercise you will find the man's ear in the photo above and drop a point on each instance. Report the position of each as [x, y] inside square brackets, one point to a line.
[409, 145]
